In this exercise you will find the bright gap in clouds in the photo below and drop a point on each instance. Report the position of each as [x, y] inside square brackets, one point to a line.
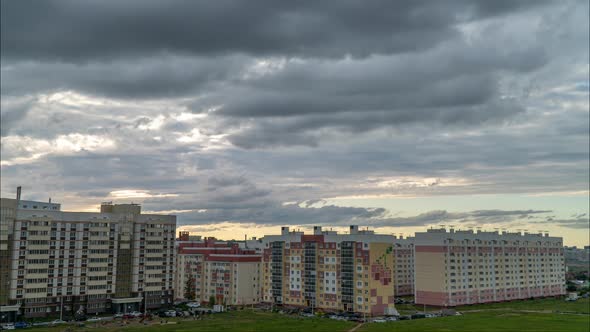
[24, 149]
[132, 193]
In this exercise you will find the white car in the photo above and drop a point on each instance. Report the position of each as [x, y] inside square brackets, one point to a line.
[171, 313]
[136, 313]
[193, 304]
[8, 326]
[57, 321]
[379, 320]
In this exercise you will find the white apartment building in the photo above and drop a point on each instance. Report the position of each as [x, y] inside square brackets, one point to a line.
[115, 260]
[403, 259]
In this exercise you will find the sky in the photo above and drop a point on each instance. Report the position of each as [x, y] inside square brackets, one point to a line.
[244, 116]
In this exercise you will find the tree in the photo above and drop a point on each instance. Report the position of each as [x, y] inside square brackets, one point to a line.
[189, 288]
[212, 300]
[571, 287]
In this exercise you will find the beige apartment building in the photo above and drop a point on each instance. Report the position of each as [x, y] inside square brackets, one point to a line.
[216, 269]
[350, 272]
[466, 267]
[115, 260]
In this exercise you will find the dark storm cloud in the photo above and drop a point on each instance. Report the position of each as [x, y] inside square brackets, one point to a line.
[294, 214]
[144, 77]
[106, 29]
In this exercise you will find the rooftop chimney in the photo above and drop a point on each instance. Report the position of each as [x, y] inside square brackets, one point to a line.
[354, 229]
[18, 190]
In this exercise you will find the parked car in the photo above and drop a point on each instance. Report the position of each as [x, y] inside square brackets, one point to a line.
[136, 314]
[170, 313]
[193, 304]
[94, 319]
[21, 325]
[7, 326]
[119, 315]
[57, 322]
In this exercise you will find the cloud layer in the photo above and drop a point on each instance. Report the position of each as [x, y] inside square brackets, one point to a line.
[229, 111]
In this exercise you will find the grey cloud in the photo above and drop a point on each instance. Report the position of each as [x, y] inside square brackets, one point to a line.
[13, 111]
[309, 130]
[226, 181]
[575, 223]
[282, 215]
[442, 216]
[103, 29]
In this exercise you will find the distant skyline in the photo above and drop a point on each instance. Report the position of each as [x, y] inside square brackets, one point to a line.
[241, 117]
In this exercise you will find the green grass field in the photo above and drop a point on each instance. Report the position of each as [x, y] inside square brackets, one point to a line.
[550, 304]
[500, 317]
[230, 321]
[488, 322]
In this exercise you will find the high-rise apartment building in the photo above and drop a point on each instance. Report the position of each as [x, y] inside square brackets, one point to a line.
[350, 272]
[208, 268]
[115, 260]
[403, 259]
[465, 267]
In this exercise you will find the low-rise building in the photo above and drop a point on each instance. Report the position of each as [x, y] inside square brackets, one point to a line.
[208, 269]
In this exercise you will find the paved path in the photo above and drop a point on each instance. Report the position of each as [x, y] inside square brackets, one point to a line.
[355, 328]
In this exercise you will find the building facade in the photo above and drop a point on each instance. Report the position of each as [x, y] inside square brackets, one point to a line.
[330, 271]
[209, 269]
[403, 259]
[116, 260]
[466, 267]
